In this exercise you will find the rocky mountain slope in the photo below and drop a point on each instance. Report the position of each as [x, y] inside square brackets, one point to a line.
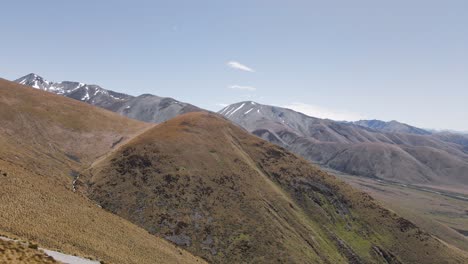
[357, 150]
[45, 140]
[221, 193]
[146, 107]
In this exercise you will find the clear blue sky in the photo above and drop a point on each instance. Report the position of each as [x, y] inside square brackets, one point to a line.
[403, 60]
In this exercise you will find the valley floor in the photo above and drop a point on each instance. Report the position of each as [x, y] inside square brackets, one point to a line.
[442, 213]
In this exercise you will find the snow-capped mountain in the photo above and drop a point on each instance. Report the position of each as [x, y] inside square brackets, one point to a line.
[146, 107]
[92, 94]
[34, 81]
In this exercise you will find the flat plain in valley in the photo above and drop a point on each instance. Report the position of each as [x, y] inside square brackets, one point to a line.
[440, 212]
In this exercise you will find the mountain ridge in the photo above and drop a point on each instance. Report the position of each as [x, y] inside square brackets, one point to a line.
[145, 107]
[355, 149]
[392, 126]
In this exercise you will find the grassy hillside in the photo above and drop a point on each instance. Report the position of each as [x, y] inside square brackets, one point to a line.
[45, 140]
[230, 197]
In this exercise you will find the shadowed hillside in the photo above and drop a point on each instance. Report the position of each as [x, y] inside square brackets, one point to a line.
[219, 192]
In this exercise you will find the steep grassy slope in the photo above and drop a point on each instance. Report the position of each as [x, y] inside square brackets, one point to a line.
[45, 140]
[230, 197]
[40, 210]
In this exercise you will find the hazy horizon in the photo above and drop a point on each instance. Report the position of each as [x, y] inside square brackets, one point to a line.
[362, 60]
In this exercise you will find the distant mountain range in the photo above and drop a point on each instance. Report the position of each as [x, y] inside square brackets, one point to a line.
[451, 136]
[146, 107]
[386, 150]
[391, 127]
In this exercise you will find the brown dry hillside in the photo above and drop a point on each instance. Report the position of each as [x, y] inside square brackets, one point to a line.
[231, 197]
[45, 140]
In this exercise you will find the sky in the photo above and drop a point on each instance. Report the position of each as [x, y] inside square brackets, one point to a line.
[344, 60]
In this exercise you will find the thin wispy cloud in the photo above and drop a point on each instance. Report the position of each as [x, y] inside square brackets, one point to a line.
[321, 112]
[245, 88]
[239, 66]
[222, 104]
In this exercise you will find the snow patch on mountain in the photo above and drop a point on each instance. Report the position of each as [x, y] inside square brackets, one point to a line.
[237, 109]
[248, 111]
